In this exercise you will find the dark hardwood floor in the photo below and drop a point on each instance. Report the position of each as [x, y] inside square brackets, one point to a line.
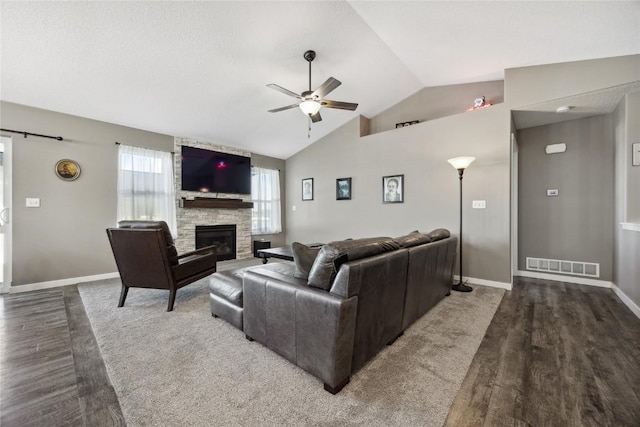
[555, 354]
[51, 369]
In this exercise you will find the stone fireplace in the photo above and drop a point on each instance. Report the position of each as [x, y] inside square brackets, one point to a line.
[189, 218]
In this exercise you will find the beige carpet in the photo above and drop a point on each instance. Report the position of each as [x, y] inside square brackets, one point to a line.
[187, 368]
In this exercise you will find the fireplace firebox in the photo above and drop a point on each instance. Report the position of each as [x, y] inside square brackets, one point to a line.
[223, 237]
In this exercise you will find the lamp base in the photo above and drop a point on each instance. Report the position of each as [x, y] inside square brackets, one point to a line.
[461, 287]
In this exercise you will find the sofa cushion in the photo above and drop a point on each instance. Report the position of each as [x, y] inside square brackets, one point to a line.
[334, 254]
[414, 238]
[303, 257]
[439, 234]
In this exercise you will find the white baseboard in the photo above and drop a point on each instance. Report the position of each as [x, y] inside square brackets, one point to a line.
[562, 278]
[61, 282]
[627, 301]
[483, 282]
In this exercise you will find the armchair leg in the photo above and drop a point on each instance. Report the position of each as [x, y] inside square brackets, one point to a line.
[172, 298]
[123, 295]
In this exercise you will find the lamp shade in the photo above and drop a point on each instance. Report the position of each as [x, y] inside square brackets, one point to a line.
[461, 162]
[310, 107]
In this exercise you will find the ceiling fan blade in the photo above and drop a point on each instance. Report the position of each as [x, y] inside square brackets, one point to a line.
[316, 117]
[326, 87]
[275, 110]
[283, 90]
[338, 104]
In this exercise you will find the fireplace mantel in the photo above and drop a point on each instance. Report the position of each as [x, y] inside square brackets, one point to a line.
[211, 203]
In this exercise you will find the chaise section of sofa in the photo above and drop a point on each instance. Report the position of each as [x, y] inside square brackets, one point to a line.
[332, 310]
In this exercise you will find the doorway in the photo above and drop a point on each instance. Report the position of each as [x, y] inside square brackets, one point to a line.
[5, 214]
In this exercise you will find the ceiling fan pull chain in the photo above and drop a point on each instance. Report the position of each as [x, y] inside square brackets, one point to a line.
[309, 131]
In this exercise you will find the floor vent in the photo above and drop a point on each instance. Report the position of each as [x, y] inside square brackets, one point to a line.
[589, 269]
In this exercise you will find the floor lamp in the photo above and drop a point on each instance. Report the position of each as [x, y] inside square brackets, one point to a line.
[461, 163]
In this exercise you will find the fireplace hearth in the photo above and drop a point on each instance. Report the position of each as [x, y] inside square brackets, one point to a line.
[223, 237]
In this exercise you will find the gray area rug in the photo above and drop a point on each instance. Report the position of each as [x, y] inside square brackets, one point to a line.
[188, 368]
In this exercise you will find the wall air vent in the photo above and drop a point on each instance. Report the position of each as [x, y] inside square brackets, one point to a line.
[576, 268]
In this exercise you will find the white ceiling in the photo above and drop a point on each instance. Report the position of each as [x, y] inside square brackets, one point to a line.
[200, 69]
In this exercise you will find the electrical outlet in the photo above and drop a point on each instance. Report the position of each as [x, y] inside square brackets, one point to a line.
[32, 202]
[293, 208]
[479, 204]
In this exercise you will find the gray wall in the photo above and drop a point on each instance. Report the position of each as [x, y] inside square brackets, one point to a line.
[576, 225]
[627, 187]
[436, 102]
[531, 85]
[420, 152]
[65, 238]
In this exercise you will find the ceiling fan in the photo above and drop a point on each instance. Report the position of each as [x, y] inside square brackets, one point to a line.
[310, 102]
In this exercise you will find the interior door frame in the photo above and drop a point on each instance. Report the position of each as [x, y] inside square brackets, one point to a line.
[514, 205]
[7, 184]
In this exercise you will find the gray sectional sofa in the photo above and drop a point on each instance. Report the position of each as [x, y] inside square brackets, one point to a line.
[336, 307]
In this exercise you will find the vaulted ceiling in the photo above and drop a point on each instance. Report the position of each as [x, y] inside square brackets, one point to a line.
[200, 69]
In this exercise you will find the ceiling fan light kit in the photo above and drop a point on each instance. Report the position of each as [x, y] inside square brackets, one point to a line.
[310, 107]
[312, 101]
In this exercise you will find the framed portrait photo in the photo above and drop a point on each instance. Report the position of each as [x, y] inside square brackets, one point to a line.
[393, 189]
[307, 189]
[67, 170]
[343, 189]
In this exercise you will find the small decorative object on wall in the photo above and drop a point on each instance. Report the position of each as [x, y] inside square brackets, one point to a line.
[343, 189]
[307, 189]
[393, 189]
[404, 124]
[67, 170]
[479, 103]
[635, 154]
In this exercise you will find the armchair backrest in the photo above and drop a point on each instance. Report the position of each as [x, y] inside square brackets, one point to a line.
[143, 255]
[172, 252]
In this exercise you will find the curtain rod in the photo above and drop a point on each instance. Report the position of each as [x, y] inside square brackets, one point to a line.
[59, 138]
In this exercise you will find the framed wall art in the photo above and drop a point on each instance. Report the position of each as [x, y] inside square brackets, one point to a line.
[393, 189]
[343, 189]
[307, 189]
[67, 170]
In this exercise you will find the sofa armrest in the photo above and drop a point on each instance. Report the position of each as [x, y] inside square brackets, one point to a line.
[310, 327]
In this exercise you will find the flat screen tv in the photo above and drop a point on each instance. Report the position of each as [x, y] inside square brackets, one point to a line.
[209, 171]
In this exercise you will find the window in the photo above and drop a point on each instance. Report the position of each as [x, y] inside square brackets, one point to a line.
[146, 186]
[265, 195]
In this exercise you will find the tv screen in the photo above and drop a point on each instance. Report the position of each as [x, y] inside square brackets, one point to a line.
[209, 171]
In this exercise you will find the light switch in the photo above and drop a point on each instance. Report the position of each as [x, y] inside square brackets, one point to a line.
[479, 204]
[293, 208]
[32, 202]
[553, 192]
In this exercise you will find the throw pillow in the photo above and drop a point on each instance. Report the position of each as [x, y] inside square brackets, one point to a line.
[303, 257]
[334, 254]
[324, 270]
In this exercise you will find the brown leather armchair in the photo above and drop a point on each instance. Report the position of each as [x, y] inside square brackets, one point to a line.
[146, 257]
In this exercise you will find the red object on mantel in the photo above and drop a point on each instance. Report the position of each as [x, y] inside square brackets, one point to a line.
[479, 103]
